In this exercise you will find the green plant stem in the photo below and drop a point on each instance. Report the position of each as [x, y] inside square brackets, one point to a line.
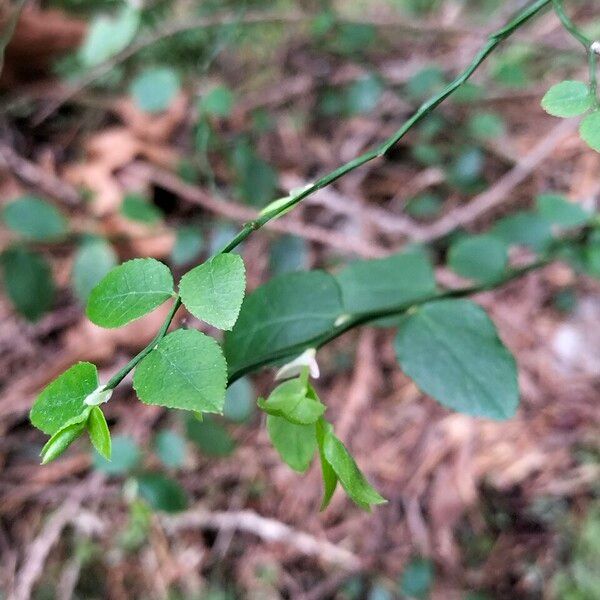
[396, 311]
[425, 109]
[586, 42]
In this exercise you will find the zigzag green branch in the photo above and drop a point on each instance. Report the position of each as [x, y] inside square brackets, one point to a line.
[281, 207]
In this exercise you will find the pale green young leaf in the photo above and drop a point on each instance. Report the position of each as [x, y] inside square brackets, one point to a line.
[452, 351]
[94, 258]
[186, 370]
[155, 88]
[568, 99]
[129, 292]
[328, 475]
[479, 257]
[374, 285]
[63, 399]
[108, 35]
[289, 310]
[61, 440]
[34, 219]
[98, 431]
[589, 130]
[213, 291]
[28, 282]
[292, 401]
[296, 444]
[352, 480]
[559, 211]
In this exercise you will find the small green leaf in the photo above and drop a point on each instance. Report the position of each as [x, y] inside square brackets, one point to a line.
[296, 444]
[292, 401]
[568, 99]
[63, 399]
[589, 130]
[375, 285]
[210, 436]
[363, 95]
[129, 292]
[162, 493]
[34, 219]
[106, 35]
[524, 228]
[452, 351]
[170, 448]
[154, 89]
[328, 474]
[561, 212]
[424, 206]
[99, 433]
[28, 282]
[94, 258]
[137, 208]
[288, 310]
[217, 103]
[479, 257]
[353, 481]
[188, 245]
[417, 578]
[239, 401]
[60, 441]
[125, 457]
[214, 291]
[186, 370]
[486, 125]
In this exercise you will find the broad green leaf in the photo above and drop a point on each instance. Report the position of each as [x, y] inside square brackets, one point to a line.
[417, 578]
[239, 401]
[568, 99]
[94, 258]
[137, 208]
[289, 310]
[129, 292]
[186, 370]
[107, 35]
[63, 398]
[28, 282]
[34, 219]
[559, 211]
[524, 228]
[480, 257]
[381, 284]
[188, 245]
[154, 89]
[296, 444]
[99, 433]
[210, 436]
[217, 103]
[125, 457]
[291, 400]
[352, 480]
[327, 473]
[170, 448]
[60, 441]
[161, 492]
[589, 130]
[452, 351]
[213, 291]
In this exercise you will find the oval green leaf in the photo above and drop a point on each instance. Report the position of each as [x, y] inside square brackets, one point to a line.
[35, 219]
[93, 260]
[296, 444]
[155, 88]
[186, 370]
[568, 99]
[479, 257]
[99, 433]
[589, 130]
[129, 292]
[214, 291]
[451, 349]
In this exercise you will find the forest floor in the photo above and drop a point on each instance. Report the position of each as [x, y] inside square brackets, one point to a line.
[483, 509]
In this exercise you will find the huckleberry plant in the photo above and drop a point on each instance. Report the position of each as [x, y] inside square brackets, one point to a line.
[444, 342]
